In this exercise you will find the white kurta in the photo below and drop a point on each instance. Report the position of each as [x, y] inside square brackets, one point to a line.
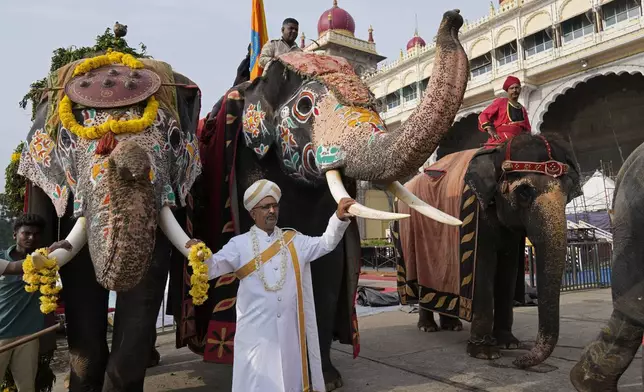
[267, 355]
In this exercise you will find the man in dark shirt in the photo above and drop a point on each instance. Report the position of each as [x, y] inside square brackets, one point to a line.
[19, 310]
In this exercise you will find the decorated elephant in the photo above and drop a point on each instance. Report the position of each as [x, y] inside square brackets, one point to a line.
[605, 359]
[309, 124]
[114, 148]
[501, 194]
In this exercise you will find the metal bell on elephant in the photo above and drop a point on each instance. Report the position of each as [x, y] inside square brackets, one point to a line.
[113, 86]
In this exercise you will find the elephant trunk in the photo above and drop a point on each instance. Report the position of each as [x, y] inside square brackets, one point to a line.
[386, 157]
[122, 252]
[547, 232]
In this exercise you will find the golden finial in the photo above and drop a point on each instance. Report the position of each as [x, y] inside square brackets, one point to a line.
[335, 3]
[401, 54]
[491, 8]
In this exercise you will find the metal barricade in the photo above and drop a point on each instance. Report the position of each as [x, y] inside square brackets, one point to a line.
[587, 266]
[377, 257]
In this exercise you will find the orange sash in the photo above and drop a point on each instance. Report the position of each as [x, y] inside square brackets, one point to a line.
[268, 254]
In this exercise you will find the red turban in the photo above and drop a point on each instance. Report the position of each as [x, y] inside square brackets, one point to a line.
[510, 81]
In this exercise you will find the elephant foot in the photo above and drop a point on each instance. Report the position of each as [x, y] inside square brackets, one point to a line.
[485, 348]
[506, 340]
[606, 358]
[585, 382]
[428, 325]
[451, 323]
[155, 358]
[332, 379]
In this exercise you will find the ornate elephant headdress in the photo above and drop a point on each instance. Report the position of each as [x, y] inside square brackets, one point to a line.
[334, 72]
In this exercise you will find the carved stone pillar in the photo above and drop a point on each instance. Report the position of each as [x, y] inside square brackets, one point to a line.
[599, 16]
[526, 90]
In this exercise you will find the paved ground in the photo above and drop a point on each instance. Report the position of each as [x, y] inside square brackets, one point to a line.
[397, 357]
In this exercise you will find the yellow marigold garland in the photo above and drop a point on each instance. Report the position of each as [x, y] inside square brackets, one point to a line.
[199, 279]
[110, 57]
[15, 157]
[44, 279]
[96, 132]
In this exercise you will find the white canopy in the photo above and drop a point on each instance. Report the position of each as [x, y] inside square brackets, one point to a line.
[597, 195]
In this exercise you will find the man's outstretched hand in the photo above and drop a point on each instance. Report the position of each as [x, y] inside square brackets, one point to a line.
[192, 242]
[64, 244]
[343, 208]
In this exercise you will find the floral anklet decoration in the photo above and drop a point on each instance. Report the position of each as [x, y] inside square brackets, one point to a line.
[117, 127]
[199, 279]
[44, 278]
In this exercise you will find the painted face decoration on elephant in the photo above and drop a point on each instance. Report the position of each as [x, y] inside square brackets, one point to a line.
[289, 132]
[123, 160]
[330, 98]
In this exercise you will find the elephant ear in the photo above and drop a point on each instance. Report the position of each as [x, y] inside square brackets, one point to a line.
[482, 175]
[261, 97]
[562, 151]
[186, 165]
[47, 160]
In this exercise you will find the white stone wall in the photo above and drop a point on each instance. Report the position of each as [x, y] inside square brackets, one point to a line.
[515, 20]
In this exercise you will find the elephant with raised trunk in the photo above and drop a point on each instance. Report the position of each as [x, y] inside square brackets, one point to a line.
[605, 359]
[113, 146]
[502, 195]
[309, 122]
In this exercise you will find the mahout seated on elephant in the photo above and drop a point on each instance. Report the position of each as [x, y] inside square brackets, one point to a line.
[113, 148]
[605, 359]
[502, 195]
[307, 122]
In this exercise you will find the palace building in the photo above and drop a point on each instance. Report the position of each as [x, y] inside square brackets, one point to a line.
[580, 62]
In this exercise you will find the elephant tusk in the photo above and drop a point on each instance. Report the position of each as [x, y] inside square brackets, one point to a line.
[77, 238]
[173, 230]
[414, 202]
[334, 179]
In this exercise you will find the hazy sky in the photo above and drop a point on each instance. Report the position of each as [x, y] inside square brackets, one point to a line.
[204, 40]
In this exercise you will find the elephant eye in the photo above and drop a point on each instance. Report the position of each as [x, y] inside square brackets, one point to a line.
[525, 195]
[304, 106]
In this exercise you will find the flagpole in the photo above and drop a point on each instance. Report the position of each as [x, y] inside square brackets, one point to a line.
[259, 36]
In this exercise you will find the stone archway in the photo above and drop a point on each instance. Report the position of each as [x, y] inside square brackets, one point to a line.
[463, 135]
[601, 117]
[551, 94]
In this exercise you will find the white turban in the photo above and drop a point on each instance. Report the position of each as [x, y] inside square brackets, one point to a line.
[259, 190]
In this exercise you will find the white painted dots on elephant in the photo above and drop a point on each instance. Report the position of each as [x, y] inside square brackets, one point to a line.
[285, 112]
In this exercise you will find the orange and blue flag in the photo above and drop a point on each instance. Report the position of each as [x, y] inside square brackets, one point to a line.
[258, 37]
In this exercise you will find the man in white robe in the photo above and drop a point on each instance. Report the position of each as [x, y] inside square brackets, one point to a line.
[276, 339]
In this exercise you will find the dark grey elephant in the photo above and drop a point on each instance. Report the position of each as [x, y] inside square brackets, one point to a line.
[470, 272]
[606, 358]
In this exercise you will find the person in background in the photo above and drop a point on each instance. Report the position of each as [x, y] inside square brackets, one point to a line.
[276, 47]
[20, 313]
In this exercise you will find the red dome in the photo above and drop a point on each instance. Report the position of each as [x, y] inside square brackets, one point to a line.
[415, 41]
[339, 20]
